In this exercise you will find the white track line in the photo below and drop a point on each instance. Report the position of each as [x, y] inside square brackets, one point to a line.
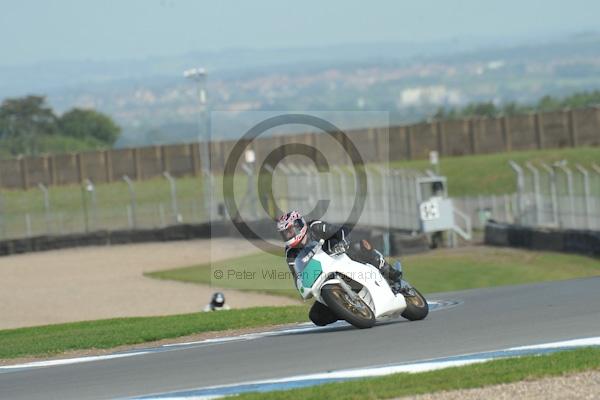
[67, 361]
[423, 366]
[593, 341]
[304, 327]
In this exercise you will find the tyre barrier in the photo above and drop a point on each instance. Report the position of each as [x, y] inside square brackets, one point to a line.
[103, 238]
[584, 242]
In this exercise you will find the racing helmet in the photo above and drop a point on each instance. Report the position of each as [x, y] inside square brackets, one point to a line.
[218, 300]
[292, 228]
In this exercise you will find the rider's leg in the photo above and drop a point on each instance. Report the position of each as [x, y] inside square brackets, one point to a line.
[321, 315]
[364, 252]
[393, 274]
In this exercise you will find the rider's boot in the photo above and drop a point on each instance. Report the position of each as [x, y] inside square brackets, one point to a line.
[392, 274]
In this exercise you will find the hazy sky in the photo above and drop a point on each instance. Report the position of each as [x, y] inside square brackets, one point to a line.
[39, 30]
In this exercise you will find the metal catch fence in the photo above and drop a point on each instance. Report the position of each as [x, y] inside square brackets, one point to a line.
[557, 195]
[390, 200]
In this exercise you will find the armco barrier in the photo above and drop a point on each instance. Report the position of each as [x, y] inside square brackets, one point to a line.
[570, 241]
[400, 242]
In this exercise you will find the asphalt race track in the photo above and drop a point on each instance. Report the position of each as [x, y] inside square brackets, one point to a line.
[485, 320]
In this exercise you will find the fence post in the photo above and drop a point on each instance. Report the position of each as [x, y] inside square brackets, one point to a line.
[250, 194]
[174, 206]
[343, 190]
[562, 166]
[370, 202]
[386, 196]
[520, 186]
[85, 209]
[586, 193]
[129, 216]
[28, 225]
[508, 215]
[132, 202]
[536, 189]
[164, 156]
[91, 189]
[553, 193]
[44, 190]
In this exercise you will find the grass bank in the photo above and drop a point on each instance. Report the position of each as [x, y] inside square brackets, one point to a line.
[471, 376]
[437, 271]
[104, 334]
[490, 174]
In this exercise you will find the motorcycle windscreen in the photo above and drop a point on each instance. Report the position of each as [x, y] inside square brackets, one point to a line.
[307, 269]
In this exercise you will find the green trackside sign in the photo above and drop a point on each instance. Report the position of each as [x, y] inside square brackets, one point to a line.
[310, 274]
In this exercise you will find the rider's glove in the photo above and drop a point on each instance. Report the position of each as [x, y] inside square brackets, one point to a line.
[341, 246]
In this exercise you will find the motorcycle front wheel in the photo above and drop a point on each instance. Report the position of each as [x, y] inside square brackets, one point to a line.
[350, 308]
[416, 306]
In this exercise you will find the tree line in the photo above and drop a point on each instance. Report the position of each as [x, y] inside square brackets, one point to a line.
[30, 127]
[547, 103]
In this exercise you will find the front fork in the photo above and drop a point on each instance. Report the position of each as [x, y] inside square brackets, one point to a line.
[346, 287]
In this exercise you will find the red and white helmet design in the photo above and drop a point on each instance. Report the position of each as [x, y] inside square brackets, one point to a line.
[292, 228]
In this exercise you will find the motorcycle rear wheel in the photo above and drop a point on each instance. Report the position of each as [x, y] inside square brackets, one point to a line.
[352, 309]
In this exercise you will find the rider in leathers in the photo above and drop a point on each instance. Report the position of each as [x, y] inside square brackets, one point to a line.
[296, 233]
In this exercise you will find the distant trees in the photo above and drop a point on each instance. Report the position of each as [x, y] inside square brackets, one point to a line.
[23, 121]
[29, 126]
[546, 103]
[82, 124]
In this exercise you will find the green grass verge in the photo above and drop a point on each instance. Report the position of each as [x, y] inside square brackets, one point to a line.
[438, 271]
[471, 376]
[104, 334]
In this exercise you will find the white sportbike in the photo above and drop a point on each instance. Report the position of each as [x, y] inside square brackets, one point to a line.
[353, 291]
